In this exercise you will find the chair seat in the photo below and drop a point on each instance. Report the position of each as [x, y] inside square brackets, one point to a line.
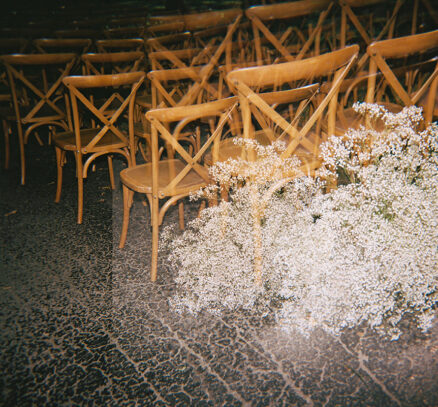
[142, 130]
[144, 101]
[139, 178]
[229, 150]
[67, 140]
[351, 119]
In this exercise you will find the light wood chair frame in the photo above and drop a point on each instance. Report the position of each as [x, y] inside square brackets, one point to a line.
[261, 15]
[189, 165]
[252, 104]
[47, 95]
[380, 52]
[122, 145]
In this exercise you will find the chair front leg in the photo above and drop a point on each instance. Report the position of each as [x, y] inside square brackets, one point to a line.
[59, 163]
[155, 234]
[80, 175]
[111, 172]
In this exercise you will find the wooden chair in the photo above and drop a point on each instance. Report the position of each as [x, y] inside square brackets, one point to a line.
[104, 138]
[7, 116]
[112, 62]
[131, 31]
[172, 179]
[35, 81]
[353, 11]
[211, 31]
[120, 45]
[74, 45]
[295, 85]
[406, 83]
[294, 42]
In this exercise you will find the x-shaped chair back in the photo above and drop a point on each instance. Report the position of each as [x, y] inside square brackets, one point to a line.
[169, 86]
[383, 65]
[120, 45]
[74, 45]
[179, 119]
[10, 46]
[81, 89]
[40, 95]
[35, 84]
[351, 10]
[292, 82]
[112, 62]
[263, 16]
[208, 44]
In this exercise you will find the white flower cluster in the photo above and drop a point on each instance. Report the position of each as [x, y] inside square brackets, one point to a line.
[366, 251]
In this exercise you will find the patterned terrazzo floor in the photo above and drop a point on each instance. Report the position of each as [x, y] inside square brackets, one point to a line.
[81, 324]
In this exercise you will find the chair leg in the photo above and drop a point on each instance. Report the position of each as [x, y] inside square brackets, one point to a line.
[59, 163]
[155, 230]
[181, 215]
[127, 202]
[7, 143]
[111, 172]
[22, 156]
[80, 176]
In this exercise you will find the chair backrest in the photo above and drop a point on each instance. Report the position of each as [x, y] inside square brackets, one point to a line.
[112, 62]
[197, 78]
[178, 58]
[408, 83]
[292, 41]
[369, 21]
[120, 45]
[296, 85]
[50, 45]
[124, 32]
[82, 91]
[199, 34]
[168, 86]
[179, 118]
[35, 80]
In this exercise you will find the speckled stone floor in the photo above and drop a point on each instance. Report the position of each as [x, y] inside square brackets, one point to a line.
[82, 325]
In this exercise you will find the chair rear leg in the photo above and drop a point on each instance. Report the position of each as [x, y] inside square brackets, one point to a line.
[7, 142]
[111, 172]
[22, 156]
[155, 234]
[127, 203]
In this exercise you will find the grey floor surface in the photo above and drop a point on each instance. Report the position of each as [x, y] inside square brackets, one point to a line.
[82, 325]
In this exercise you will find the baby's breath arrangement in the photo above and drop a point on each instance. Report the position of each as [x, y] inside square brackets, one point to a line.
[366, 251]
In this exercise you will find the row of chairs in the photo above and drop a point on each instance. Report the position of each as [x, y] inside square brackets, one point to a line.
[299, 102]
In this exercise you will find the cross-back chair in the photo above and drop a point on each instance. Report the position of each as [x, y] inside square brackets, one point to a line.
[120, 45]
[368, 23]
[392, 80]
[7, 117]
[296, 86]
[74, 45]
[293, 41]
[112, 62]
[105, 136]
[172, 179]
[35, 81]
